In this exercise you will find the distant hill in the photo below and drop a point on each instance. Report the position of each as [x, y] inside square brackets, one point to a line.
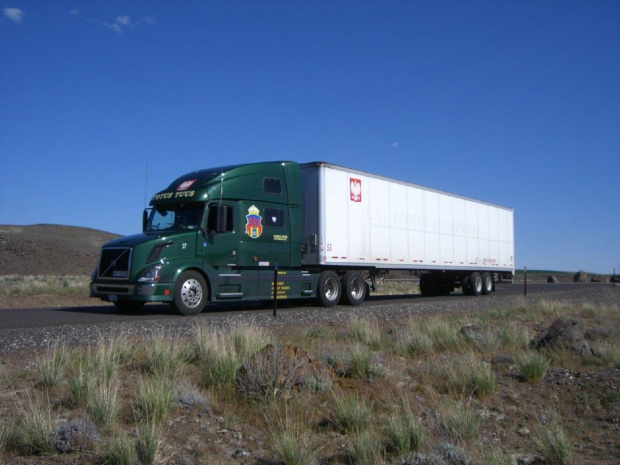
[49, 249]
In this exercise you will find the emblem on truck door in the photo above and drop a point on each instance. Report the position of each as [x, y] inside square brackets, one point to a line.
[253, 227]
[356, 189]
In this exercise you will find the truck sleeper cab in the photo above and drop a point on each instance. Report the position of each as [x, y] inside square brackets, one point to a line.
[216, 235]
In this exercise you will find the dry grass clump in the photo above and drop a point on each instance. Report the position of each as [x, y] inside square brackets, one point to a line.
[52, 366]
[532, 366]
[350, 412]
[554, 443]
[291, 438]
[34, 430]
[366, 331]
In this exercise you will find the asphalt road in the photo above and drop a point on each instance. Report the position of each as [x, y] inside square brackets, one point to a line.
[46, 317]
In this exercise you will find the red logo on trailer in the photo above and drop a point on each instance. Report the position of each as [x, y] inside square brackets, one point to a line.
[356, 189]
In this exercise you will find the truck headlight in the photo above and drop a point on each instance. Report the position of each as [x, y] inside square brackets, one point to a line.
[152, 275]
[94, 274]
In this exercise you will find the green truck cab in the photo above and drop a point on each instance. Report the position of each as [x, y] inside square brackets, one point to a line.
[212, 235]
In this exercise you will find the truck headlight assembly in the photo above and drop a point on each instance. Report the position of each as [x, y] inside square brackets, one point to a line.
[152, 275]
[94, 274]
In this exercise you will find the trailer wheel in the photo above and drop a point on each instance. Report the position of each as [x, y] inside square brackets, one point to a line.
[190, 293]
[353, 288]
[487, 283]
[329, 288]
[128, 306]
[474, 284]
[427, 286]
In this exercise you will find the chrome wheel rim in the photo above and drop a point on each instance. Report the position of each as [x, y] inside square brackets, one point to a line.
[357, 288]
[191, 293]
[331, 289]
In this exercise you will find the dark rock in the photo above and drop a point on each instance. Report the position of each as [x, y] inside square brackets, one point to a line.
[580, 277]
[563, 334]
[552, 280]
[505, 359]
[597, 278]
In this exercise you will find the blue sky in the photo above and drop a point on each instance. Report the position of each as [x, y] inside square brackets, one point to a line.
[512, 102]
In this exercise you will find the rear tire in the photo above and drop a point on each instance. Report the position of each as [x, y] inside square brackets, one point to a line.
[190, 293]
[473, 284]
[487, 283]
[353, 288]
[328, 289]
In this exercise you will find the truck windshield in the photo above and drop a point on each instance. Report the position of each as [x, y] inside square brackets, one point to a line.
[175, 216]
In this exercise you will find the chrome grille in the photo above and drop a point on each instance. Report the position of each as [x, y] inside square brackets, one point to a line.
[114, 263]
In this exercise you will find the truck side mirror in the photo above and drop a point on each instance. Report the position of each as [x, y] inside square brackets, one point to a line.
[145, 218]
[222, 218]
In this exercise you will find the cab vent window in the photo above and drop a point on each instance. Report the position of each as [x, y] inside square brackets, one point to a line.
[272, 185]
[274, 218]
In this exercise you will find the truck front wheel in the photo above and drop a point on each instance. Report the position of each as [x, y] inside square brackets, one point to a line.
[190, 293]
[329, 289]
[353, 288]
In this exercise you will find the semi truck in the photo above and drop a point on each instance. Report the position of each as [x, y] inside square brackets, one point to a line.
[325, 232]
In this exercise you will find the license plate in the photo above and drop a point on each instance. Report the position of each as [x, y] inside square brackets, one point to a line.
[112, 297]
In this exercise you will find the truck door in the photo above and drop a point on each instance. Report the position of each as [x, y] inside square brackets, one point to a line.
[220, 250]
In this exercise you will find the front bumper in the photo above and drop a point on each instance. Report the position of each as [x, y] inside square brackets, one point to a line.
[140, 292]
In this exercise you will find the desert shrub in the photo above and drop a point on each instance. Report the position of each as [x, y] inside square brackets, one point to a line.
[271, 372]
[76, 435]
[189, 395]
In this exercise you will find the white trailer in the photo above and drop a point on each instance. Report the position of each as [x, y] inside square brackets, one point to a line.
[353, 220]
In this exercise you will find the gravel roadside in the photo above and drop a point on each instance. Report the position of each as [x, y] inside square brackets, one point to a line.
[34, 339]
